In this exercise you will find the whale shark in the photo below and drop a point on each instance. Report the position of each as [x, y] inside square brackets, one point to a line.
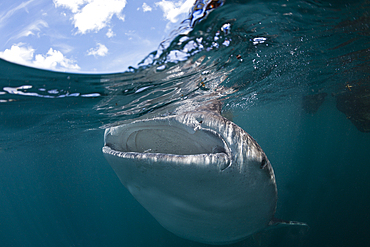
[198, 174]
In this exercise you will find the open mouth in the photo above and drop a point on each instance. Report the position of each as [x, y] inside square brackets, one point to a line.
[167, 137]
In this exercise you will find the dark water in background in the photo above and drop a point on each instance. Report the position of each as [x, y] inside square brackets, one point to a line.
[260, 59]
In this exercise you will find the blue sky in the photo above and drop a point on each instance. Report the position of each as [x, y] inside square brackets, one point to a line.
[86, 35]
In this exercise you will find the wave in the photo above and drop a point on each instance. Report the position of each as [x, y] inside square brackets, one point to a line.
[241, 52]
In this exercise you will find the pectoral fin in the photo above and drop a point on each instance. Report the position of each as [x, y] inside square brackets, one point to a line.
[277, 223]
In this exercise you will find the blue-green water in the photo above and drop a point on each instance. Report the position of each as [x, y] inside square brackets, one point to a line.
[260, 59]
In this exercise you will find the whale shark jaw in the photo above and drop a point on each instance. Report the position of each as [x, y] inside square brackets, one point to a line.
[200, 175]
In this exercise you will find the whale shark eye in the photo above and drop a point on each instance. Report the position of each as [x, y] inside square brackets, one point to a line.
[200, 120]
[263, 163]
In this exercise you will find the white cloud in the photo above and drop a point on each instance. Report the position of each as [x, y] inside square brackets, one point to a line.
[101, 50]
[10, 12]
[18, 54]
[92, 15]
[65, 48]
[121, 16]
[73, 5]
[110, 33]
[31, 29]
[146, 7]
[172, 10]
[53, 59]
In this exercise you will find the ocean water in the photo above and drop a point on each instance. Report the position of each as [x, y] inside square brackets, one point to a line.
[293, 74]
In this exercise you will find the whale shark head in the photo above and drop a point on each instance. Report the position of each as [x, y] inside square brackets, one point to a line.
[201, 176]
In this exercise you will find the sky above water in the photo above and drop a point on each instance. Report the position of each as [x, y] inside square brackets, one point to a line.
[99, 36]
